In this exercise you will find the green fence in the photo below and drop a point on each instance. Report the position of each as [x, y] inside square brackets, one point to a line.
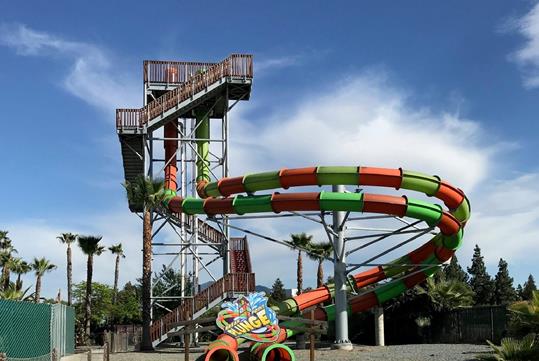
[33, 331]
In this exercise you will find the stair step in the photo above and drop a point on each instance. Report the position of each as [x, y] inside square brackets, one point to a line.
[192, 308]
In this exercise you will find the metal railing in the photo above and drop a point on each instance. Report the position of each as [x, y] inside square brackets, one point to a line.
[209, 233]
[240, 260]
[128, 118]
[172, 72]
[236, 65]
[228, 285]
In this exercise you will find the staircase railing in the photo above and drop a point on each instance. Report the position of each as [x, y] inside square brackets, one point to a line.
[236, 65]
[228, 285]
[210, 233]
[128, 119]
[240, 260]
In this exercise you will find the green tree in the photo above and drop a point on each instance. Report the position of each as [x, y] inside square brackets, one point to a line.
[519, 292]
[277, 291]
[3, 238]
[19, 267]
[146, 194]
[127, 308]
[167, 282]
[300, 242]
[480, 281]
[14, 294]
[528, 288]
[40, 267]
[454, 271]
[504, 292]
[320, 252]
[525, 316]
[6, 256]
[118, 251]
[101, 301]
[90, 247]
[68, 239]
[447, 295]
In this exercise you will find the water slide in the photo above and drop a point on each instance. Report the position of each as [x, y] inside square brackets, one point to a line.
[236, 195]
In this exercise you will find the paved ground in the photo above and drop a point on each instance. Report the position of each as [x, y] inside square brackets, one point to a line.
[442, 352]
[399, 353]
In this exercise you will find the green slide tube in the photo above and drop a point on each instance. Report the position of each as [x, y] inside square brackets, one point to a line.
[431, 213]
[202, 133]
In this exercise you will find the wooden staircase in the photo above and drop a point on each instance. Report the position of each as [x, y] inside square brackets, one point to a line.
[230, 286]
[240, 260]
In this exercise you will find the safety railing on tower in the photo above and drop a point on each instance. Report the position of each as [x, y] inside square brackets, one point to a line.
[128, 118]
[172, 72]
[236, 65]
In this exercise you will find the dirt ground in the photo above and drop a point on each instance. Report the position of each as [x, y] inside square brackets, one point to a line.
[439, 352]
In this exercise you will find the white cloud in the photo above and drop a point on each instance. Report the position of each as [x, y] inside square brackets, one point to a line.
[267, 64]
[365, 120]
[92, 76]
[528, 55]
[506, 220]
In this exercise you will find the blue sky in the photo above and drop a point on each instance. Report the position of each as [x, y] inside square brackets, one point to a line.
[448, 88]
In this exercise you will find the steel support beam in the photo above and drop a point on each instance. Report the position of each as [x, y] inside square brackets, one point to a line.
[342, 341]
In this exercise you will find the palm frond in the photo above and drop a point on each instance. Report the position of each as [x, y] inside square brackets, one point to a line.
[67, 238]
[42, 266]
[144, 191]
[117, 249]
[90, 245]
[512, 349]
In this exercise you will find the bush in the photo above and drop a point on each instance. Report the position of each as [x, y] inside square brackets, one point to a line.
[512, 349]
[525, 316]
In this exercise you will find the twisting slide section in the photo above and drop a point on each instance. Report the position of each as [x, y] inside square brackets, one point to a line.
[226, 197]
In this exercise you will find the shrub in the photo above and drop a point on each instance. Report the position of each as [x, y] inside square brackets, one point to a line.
[512, 349]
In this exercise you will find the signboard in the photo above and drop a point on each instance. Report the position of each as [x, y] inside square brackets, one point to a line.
[249, 317]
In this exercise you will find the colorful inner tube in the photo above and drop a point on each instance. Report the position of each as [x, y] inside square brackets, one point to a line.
[237, 196]
[223, 349]
[272, 352]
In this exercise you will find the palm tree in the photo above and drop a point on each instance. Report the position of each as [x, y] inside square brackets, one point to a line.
[19, 267]
[119, 252]
[90, 247]
[146, 194]
[68, 239]
[6, 258]
[14, 294]
[300, 242]
[446, 295]
[320, 252]
[40, 267]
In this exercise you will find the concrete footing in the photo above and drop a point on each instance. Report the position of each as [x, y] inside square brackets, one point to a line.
[342, 345]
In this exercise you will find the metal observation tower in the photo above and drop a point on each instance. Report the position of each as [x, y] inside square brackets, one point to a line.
[170, 138]
[182, 134]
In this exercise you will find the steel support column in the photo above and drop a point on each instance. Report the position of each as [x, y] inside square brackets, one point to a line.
[339, 268]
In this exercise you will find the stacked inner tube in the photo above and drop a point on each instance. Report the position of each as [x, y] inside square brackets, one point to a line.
[237, 196]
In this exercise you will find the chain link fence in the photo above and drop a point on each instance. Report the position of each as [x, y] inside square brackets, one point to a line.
[30, 331]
